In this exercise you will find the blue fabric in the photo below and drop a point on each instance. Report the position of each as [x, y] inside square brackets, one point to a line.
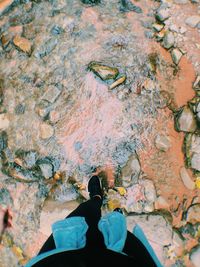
[113, 228]
[70, 233]
[137, 231]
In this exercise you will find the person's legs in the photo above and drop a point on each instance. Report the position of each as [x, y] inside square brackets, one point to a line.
[134, 248]
[91, 211]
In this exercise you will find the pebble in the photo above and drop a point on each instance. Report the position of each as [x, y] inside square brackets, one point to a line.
[46, 169]
[182, 30]
[162, 142]
[196, 84]
[46, 131]
[4, 5]
[176, 55]
[193, 214]
[51, 94]
[4, 121]
[187, 179]
[158, 27]
[193, 21]
[195, 161]
[185, 120]
[173, 28]
[162, 14]
[23, 44]
[54, 116]
[168, 40]
[102, 71]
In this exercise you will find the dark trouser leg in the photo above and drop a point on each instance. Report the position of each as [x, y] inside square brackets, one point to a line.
[91, 211]
[134, 248]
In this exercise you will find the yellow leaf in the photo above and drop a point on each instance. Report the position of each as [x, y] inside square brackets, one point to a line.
[121, 191]
[197, 183]
[113, 204]
[18, 252]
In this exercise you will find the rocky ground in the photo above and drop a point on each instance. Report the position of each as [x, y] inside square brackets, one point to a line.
[106, 87]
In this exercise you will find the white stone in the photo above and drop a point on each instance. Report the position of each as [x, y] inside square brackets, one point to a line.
[193, 214]
[182, 30]
[4, 121]
[187, 179]
[176, 55]
[162, 142]
[173, 28]
[192, 21]
[195, 257]
[168, 40]
[187, 122]
[51, 94]
[162, 14]
[195, 162]
[46, 131]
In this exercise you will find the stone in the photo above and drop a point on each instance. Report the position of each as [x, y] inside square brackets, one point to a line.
[182, 30]
[192, 151]
[46, 170]
[127, 5]
[54, 116]
[3, 140]
[91, 2]
[162, 142]
[4, 121]
[43, 108]
[168, 40]
[176, 55]
[28, 158]
[173, 28]
[158, 27]
[4, 5]
[46, 48]
[188, 182]
[51, 94]
[196, 85]
[185, 120]
[140, 197]
[102, 71]
[195, 162]
[5, 197]
[20, 109]
[23, 44]
[193, 21]
[118, 82]
[1, 91]
[130, 173]
[46, 131]
[181, 2]
[193, 214]
[162, 14]
[195, 256]
[5, 40]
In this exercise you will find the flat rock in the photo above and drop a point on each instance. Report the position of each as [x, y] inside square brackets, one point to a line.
[193, 214]
[46, 131]
[23, 44]
[4, 5]
[188, 182]
[47, 170]
[195, 162]
[168, 40]
[162, 142]
[51, 94]
[158, 27]
[193, 21]
[176, 55]
[4, 121]
[131, 172]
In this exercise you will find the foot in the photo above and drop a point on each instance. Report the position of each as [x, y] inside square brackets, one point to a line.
[118, 210]
[94, 187]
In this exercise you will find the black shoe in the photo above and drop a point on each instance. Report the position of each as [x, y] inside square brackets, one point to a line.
[118, 210]
[94, 187]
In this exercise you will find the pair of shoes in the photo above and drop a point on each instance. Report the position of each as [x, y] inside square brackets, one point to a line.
[94, 187]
